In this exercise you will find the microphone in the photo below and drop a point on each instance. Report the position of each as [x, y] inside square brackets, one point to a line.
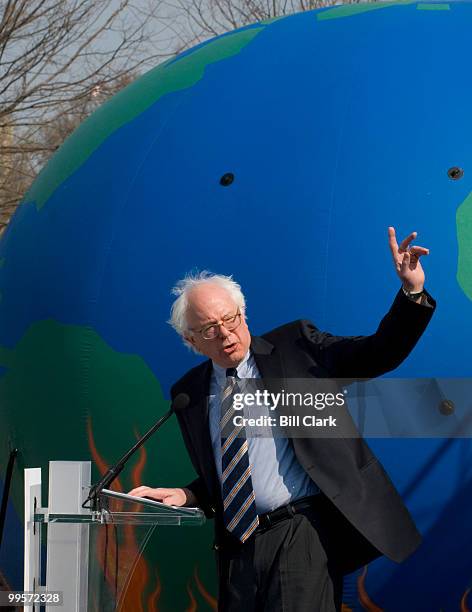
[180, 402]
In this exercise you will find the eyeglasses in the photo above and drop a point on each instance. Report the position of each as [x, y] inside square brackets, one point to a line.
[210, 332]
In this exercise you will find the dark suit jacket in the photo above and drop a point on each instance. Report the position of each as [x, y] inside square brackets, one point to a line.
[366, 514]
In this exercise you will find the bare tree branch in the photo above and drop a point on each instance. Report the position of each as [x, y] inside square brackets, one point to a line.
[60, 59]
[202, 19]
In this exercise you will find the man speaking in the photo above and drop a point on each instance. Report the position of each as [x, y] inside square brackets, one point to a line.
[291, 515]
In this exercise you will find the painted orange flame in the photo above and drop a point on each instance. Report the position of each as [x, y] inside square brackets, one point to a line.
[131, 599]
[211, 601]
[193, 602]
[154, 597]
[464, 606]
[102, 543]
[364, 598]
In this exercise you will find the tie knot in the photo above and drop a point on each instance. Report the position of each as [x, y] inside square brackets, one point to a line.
[231, 372]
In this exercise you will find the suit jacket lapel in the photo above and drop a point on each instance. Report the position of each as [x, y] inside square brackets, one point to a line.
[199, 426]
[269, 363]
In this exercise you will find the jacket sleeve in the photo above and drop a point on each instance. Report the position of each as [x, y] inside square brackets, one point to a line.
[199, 489]
[371, 356]
[197, 486]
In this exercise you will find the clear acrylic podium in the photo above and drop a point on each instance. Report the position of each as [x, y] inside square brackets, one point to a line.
[93, 557]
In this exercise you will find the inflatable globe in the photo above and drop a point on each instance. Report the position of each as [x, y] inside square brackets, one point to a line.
[278, 153]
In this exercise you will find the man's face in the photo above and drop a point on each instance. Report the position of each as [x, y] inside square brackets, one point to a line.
[209, 304]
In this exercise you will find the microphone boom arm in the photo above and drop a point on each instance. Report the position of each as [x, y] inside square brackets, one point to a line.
[181, 401]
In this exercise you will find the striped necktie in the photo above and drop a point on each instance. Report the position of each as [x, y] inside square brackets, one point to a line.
[239, 506]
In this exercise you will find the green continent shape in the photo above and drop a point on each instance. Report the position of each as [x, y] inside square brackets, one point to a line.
[272, 19]
[126, 105]
[464, 239]
[61, 377]
[424, 6]
[348, 10]
[58, 377]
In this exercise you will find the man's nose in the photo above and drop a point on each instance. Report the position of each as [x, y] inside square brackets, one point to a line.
[223, 332]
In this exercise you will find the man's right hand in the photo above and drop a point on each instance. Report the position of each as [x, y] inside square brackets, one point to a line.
[171, 497]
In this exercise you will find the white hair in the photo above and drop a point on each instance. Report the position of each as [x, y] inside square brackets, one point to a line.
[178, 311]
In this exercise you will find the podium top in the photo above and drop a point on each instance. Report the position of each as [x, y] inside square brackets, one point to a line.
[119, 508]
[147, 502]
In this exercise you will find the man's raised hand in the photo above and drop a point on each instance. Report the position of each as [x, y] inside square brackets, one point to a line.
[406, 259]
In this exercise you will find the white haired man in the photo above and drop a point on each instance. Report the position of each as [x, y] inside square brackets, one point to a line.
[291, 515]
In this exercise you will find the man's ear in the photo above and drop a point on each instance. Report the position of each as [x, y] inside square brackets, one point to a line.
[190, 340]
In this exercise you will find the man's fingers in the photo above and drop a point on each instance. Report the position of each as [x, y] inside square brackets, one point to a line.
[137, 490]
[392, 243]
[419, 251]
[144, 491]
[392, 240]
[405, 243]
[414, 251]
[405, 262]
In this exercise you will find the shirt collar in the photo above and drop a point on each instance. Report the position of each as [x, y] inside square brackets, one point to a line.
[220, 373]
